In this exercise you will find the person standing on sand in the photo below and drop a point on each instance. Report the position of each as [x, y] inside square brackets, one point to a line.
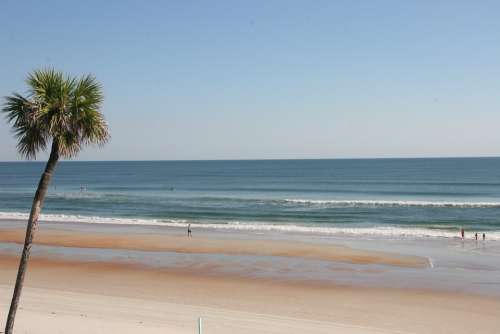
[462, 232]
[484, 236]
[189, 231]
[475, 236]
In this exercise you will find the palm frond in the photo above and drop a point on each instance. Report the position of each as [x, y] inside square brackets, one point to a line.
[31, 140]
[85, 109]
[58, 108]
[22, 113]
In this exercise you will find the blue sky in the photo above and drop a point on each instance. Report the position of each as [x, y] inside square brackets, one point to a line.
[270, 79]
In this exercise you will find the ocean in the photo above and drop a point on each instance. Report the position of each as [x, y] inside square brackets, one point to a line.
[372, 198]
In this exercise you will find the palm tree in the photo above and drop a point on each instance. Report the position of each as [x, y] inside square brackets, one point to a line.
[60, 111]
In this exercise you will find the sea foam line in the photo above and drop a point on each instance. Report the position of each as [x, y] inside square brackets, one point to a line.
[397, 203]
[63, 218]
[391, 232]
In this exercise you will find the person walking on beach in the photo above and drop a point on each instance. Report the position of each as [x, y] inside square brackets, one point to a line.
[484, 236]
[189, 231]
[476, 236]
[462, 232]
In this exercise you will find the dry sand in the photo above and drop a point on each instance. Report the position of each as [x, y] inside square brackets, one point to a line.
[75, 297]
[47, 311]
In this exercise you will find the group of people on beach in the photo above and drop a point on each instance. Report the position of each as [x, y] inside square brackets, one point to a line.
[462, 234]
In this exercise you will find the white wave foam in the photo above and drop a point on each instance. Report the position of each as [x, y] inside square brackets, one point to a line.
[389, 203]
[62, 218]
[390, 232]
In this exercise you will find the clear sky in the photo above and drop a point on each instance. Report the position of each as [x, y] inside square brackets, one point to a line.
[270, 79]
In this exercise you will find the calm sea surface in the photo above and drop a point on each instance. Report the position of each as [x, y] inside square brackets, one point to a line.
[395, 198]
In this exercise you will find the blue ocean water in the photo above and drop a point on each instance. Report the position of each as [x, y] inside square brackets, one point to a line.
[385, 197]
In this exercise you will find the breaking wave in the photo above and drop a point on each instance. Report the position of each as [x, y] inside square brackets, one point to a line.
[391, 232]
[389, 203]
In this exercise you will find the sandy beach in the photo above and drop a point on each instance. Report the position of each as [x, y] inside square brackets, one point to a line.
[259, 167]
[72, 295]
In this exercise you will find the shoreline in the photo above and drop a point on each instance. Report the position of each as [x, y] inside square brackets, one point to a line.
[389, 232]
[452, 266]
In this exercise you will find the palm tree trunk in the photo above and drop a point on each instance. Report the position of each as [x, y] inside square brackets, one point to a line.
[36, 208]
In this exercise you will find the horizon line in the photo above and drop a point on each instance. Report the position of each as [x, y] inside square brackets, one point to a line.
[263, 159]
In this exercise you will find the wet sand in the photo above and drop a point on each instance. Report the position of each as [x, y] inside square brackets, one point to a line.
[206, 245]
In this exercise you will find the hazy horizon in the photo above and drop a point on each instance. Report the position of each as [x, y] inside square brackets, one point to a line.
[256, 159]
[270, 80]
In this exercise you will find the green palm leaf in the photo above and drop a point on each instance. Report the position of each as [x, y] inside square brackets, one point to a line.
[57, 108]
